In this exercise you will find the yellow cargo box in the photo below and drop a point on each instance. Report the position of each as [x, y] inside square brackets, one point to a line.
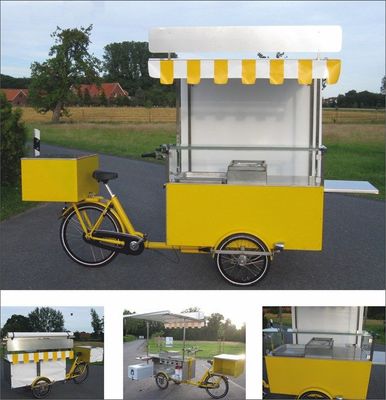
[204, 214]
[62, 179]
[89, 354]
[346, 379]
[227, 364]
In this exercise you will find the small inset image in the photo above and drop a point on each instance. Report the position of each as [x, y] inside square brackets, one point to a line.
[324, 352]
[183, 355]
[56, 352]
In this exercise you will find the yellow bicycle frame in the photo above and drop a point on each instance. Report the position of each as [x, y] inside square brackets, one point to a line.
[70, 374]
[201, 382]
[115, 207]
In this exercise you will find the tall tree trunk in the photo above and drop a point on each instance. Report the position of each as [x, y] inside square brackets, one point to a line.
[56, 113]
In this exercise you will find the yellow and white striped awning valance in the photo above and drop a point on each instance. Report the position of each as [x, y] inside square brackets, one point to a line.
[276, 70]
[16, 358]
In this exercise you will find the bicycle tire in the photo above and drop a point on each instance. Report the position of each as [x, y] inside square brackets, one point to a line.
[222, 389]
[254, 267]
[41, 388]
[81, 371]
[74, 245]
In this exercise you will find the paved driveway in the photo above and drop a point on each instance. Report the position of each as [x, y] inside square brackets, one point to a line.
[146, 389]
[32, 257]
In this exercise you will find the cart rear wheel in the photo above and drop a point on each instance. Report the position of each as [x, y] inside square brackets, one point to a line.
[162, 380]
[41, 387]
[72, 236]
[242, 269]
[81, 372]
[219, 386]
[313, 394]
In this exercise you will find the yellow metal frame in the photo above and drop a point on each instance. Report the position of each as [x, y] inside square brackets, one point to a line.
[75, 363]
[115, 207]
[297, 222]
[201, 382]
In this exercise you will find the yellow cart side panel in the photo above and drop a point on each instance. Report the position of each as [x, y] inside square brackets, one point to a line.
[202, 215]
[58, 179]
[230, 365]
[293, 376]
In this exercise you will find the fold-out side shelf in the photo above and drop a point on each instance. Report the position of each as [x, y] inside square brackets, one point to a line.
[331, 186]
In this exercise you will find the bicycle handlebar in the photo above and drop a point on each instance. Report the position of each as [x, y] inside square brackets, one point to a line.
[153, 154]
[159, 153]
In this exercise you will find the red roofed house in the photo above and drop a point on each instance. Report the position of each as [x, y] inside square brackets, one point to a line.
[111, 90]
[17, 97]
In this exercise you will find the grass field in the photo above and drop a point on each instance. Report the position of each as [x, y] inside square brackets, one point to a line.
[355, 152]
[126, 140]
[209, 349]
[107, 114]
[160, 114]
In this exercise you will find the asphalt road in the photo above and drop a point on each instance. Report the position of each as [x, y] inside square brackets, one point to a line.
[91, 388]
[146, 389]
[32, 257]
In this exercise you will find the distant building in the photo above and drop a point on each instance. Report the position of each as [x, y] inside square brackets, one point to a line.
[17, 97]
[111, 90]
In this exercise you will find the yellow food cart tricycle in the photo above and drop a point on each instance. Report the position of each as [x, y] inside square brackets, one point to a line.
[325, 355]
[37, 360]
[180, 366]
[245, 177]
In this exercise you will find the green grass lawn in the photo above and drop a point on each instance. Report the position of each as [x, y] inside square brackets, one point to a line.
[209, 349]
[356, 152]
[125, 140]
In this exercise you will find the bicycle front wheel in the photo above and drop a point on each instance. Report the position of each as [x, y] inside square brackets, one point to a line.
[81, 372]
[217, 386]
[74, 243]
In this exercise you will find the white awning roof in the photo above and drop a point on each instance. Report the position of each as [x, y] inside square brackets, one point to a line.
[276, 70]
[234, 39]
[172, 320]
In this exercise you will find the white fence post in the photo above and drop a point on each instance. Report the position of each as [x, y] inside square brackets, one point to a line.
[37, 142]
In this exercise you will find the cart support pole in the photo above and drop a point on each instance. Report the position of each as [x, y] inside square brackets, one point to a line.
[183, 343]
[147, 338]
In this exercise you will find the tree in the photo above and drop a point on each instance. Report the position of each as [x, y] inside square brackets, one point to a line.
[53, 81]
[46, 319]
[17, 323]
[127, 63]
[12, 142]
[97, 324]
[10, 82]
[215, 326]
[383, 85]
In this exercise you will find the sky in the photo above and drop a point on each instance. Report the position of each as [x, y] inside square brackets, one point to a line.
[75, 318]
[26, 27]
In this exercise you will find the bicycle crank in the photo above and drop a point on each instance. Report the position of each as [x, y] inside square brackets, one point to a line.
[133, 245]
